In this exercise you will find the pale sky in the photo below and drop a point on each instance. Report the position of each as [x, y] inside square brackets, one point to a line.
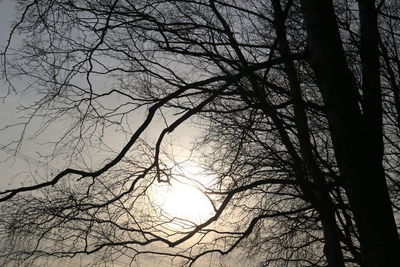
[7, 108]
[14, 165]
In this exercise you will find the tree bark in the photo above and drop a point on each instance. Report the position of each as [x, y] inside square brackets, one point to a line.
[356, 134]
[323, 203]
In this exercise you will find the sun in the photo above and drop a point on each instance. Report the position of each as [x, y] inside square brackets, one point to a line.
[183, 198]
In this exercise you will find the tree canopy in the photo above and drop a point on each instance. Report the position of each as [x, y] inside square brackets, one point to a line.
[292, 109]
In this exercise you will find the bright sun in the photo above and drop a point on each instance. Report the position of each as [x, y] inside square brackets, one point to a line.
[183, 197]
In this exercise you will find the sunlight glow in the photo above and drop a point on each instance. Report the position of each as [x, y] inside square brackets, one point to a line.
[183, 197]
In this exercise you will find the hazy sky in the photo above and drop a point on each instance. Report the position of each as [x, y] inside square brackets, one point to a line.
[7, 108]
[14, 165]
[6, 13]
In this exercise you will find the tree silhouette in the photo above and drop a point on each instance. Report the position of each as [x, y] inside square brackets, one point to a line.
[296, 106]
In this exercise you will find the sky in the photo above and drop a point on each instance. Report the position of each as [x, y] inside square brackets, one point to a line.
[12, 167]
[8, 107]
[14, 170]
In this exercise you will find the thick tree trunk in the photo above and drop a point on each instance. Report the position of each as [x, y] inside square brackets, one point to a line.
[395, 87]
[356, 135]
[323, 203]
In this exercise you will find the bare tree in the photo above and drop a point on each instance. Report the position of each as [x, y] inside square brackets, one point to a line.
[296, 103]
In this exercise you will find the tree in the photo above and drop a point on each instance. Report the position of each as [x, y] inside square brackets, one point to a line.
[294, 100]
[356, 133]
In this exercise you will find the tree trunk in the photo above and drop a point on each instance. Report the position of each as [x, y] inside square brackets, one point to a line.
[356, 134]
[324, 204]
